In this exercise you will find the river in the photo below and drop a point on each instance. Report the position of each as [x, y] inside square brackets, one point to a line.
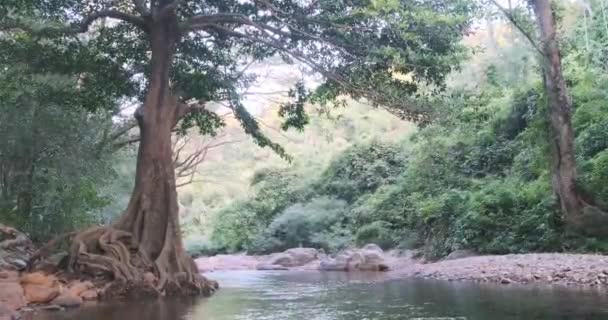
[293, 295]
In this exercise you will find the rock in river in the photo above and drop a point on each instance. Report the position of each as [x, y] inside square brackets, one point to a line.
[370, 258]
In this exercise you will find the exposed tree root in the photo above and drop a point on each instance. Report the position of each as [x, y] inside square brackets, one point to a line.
[108, 253]
[47, 249]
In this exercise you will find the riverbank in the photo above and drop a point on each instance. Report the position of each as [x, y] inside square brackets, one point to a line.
[543, 268]
[34, 279]
[536, 268]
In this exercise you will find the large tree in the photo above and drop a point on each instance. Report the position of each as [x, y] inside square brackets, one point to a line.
[560, 115]
[578, 209]
[186, 53]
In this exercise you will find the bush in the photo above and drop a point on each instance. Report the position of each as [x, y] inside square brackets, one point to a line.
[197, 246]
[508, 216]
[315, 224]
[234, 227]
[237, 226]
[593, 139]
[362, 169]
[378, 232]
[594, 177]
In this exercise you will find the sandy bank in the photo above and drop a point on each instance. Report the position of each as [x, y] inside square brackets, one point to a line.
[543, 268]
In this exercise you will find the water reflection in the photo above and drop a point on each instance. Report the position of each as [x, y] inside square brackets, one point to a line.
[340, 296]
[147, 309]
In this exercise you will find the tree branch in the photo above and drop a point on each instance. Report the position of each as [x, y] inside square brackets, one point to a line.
[510, 17]
[183, 109]
[202, 22]
[81, 27]
[188, 167]
[120, 145]
[141, 7]
[133, 20]
[169, 7]
[278, 46]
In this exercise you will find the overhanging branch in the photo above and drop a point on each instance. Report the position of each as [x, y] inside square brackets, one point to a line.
[80, 27]
[511, 18]
[133, 20]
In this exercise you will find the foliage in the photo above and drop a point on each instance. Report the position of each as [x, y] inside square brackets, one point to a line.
[361, 169]
[476, 178]
[236, 226]
[314, 224]
[54, 124]
[288, 210]
[377, 232]
[356, 47]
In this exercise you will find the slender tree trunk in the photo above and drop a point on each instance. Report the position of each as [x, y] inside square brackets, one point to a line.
[560, 113]
[492, 34]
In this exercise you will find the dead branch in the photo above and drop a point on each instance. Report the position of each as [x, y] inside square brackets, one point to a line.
[187, 166]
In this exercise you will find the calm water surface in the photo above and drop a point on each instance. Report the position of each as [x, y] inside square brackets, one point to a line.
[254, 295]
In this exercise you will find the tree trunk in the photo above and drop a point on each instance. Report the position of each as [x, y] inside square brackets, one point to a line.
[147, 238]
[560, 111]
[577, 212]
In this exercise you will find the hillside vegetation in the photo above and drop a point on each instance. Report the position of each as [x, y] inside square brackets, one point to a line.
[478, 177]
[468, 167]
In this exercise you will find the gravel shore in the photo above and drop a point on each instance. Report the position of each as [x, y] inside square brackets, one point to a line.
[542, 268]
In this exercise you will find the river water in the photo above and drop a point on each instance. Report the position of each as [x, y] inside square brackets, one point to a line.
[254, 295]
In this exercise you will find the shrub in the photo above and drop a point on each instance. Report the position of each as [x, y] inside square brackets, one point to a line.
[593, 139]
[378, 232]
[199, 245]
[313, 224]
[594, 177]
[362, 169]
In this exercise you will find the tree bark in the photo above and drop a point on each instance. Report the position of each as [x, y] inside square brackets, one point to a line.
[147, 237]
[153, 205]
[560, 112]
[578, 210]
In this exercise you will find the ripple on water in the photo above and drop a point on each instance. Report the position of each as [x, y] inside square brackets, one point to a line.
[251, 295]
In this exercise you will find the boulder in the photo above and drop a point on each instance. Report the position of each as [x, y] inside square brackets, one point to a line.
[354, 260]
[372, 261]
[12, 295]
[460, 254]
[39, 278]
[301, 256]
[372, 247]
[15, 248]
[9, 276]
[280, 259]
[268, 267]
[150, 279]
[67, 300]
[90, 294]
[35, 293]
[77, 287]
[295, 257]
[330, 264]
[213, 284]
[7, 313]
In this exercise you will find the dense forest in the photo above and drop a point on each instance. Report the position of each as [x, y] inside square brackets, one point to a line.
[477, 177]
[435, 125]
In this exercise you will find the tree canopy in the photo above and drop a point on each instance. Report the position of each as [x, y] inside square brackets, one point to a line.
[358, 47]
[173, 57]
